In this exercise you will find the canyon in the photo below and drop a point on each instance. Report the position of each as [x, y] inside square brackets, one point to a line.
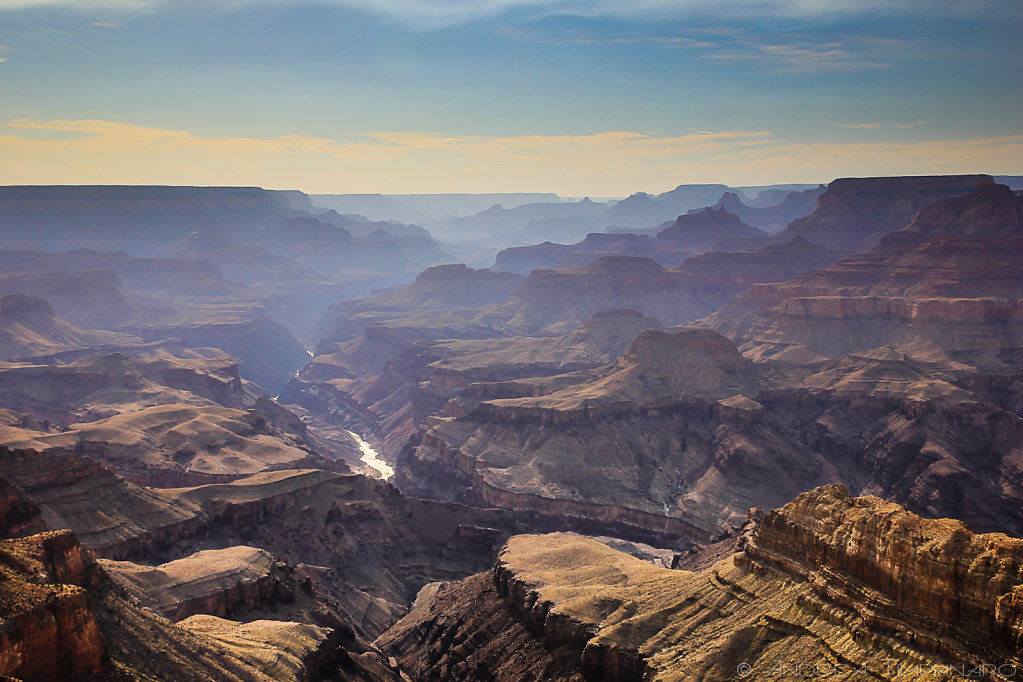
[264, 439]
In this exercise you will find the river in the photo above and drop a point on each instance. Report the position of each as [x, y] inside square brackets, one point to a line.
[371, 458]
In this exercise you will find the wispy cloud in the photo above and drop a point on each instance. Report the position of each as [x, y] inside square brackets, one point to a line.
[431, 14]
[775, 52]
[875, 126]
[108, 24]
[607, 163]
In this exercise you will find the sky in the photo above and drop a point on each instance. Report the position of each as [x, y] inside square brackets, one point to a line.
[580, 97]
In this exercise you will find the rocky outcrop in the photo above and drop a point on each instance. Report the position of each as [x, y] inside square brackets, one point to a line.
[826, 586]
[947, 286]
[718, 276]
[428, 302]
[856, 213]
[685, 428]
[525, 259]
[29, 327]
[391, 380]
[269, 354]
[772, 218]
[700, 230]
[554, 302]
[48, 629]
[957, 592]
[98, 386]
[218, 582]
[644, 210]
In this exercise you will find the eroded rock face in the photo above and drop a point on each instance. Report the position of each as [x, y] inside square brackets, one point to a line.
[720, 275]
[391, 380]
[29, 327]
[110, 515]
[269, 353]
[525, 259]
[48, 630]
[556, 301]
[957, 590]
[699, 231]
[427, 302]
[855, 213]
[684, 433]
[217, 582]
[946, 287]
[828, 584]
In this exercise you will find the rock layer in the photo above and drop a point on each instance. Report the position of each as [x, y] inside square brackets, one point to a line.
[826, 586]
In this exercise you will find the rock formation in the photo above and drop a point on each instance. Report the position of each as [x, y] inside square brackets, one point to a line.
[826, 586]
[391, 380]
[29, 327]
[948, 286]
[554, 302]
[699, 231]
[856, 213]
[684, 432]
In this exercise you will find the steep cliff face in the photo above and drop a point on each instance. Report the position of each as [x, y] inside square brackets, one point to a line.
[688, 434]
[19, 516]
[826, 586]
[217, 582]
[111, 516]
[855, 213]
[699, 231]
[718, 276]
[948, 286]
[391, 380]
[956, 590]
[553, 302]
[48, 629]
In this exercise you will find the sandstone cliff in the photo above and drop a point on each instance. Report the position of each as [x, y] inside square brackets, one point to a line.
[946, 287]
[684, 434]
[48, 630]
[854, 214]
[552, 302]
[826, 586]
[700, 230]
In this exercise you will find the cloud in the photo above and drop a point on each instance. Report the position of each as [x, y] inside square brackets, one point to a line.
[760, 50]
[875, 126]
[107, 24]
[432, 14]
[607, 163]
[83, 5]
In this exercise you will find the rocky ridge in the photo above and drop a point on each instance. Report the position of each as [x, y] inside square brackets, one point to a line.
[812, 590]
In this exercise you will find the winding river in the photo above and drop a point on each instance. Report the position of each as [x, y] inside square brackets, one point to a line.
[370, 457]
